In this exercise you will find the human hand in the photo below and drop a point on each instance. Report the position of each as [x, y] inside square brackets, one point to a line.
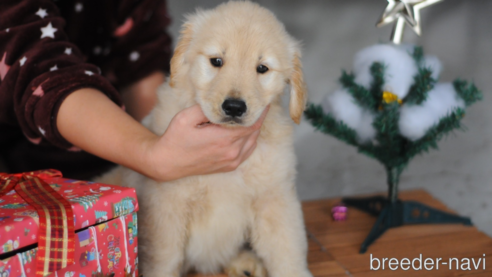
[190, 147]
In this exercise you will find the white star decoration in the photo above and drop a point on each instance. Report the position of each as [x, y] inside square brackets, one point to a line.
[416, 12]
[7, 30]
[48, 31]
[134, 56]
[68, 51]
[403, 11]
[41, 13]
[54, 68]
[90, 73]
[397, 9]
[79, 7]
[97, 50]
[23, 61]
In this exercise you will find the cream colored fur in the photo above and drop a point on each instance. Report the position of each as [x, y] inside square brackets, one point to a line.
[202, 222]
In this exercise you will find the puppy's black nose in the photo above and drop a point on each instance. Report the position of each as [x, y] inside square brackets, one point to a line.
[234, 107]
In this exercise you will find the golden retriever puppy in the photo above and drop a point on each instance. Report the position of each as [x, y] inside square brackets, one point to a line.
[233, 61]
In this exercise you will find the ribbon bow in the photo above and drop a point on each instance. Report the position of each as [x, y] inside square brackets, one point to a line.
[56, 235]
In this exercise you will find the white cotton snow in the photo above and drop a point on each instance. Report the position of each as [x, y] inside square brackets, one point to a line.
[434, 64]
[431, 62]
[400, 68]
[407, 47]
[416, 120]
[342, 106]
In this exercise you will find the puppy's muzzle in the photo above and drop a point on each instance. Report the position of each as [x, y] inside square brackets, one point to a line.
[234, 107]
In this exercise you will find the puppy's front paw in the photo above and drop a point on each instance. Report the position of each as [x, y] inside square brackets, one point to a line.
[246, 264]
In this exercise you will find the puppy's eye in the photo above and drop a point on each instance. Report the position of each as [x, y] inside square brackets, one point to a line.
[217, 62]
[261, 69]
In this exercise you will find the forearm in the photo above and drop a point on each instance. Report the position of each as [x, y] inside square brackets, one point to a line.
[91, 121]
[140, 97]
[38, 67]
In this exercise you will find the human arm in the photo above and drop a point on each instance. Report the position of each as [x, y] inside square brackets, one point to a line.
[186, 148]
[40, 65]
[41, 75]
[140, 97]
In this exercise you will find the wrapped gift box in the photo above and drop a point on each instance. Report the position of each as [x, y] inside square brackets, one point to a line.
[105, 241]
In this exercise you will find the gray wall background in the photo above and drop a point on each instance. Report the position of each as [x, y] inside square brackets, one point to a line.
[459, 32]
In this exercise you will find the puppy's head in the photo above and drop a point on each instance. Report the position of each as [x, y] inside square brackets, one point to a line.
[237, 58]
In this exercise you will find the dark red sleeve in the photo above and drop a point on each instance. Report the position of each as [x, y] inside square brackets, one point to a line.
[128, 39]
[39, 67]
[142, 44]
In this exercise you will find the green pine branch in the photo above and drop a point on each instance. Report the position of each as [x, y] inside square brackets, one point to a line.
[363, 97]
[470, 93]
[329, 125]
[388, 135]
[418, 54]
[423, 83]
[390, 147]
[377, 72]
[435, 134]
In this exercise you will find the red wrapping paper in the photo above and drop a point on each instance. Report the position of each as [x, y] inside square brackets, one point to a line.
[105, 241]
[91, 203]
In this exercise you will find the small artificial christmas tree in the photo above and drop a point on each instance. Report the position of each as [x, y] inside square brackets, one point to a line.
[392, 108]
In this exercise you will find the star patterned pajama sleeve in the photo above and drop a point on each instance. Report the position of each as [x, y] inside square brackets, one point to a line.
[49, 49]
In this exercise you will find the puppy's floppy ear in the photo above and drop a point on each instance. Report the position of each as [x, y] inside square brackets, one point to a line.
[298, 91]
[178, 59]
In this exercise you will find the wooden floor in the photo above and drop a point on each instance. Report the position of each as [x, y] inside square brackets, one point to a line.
[334, 246]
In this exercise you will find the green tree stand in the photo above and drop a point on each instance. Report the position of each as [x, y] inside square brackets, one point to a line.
[392, 212]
